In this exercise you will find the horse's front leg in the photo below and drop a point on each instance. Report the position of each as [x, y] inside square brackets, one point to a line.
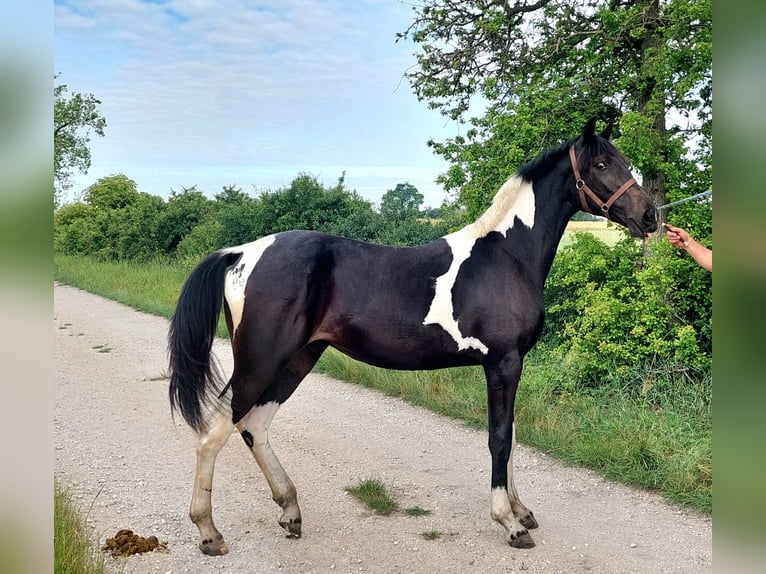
[209, 443]
[505, 507]
[520, 511]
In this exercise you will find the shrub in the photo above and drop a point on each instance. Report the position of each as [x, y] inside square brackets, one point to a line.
[613, 313]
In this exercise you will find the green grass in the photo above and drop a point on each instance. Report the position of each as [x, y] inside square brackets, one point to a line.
[416, 511]
[664, 447]
[660, 441]
[459, 393]
[431, 534]
[151, 287]
[75, 548]
[374, 494]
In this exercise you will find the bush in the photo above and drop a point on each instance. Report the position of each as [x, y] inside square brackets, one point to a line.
[74, 229]
[182, 213]
[614, 315]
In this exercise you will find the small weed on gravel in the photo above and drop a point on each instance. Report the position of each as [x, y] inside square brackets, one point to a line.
[431, 534]
[374, 494]
[416, 511]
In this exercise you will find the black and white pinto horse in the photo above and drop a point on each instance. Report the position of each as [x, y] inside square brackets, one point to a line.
[473, 297]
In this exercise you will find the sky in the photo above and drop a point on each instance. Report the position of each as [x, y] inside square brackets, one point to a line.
[250, 93]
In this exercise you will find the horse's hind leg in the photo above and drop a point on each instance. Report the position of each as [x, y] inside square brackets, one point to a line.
[209, 443]
[254, 428]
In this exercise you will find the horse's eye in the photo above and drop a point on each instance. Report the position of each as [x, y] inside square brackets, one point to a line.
[601, 166]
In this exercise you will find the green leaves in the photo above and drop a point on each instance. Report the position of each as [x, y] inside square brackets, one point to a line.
[117, 222]
[75, 118]
[612, 313]
[544, 67]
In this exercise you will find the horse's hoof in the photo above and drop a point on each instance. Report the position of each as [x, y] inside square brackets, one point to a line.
[528, 521]
[522, 540]
[292, 527]
[213, 548]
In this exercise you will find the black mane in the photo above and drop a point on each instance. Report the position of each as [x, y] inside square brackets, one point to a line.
[545, 162]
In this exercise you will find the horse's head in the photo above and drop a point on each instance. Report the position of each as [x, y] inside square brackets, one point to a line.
[605, 185]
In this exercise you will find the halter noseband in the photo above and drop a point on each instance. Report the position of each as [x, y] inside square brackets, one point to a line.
[583, 188]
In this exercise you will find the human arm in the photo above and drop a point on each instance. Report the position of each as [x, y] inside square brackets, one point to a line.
[681, 239]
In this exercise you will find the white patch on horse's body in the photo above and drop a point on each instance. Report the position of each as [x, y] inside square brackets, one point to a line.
[441, 311]
[515, 198]
[237, 276]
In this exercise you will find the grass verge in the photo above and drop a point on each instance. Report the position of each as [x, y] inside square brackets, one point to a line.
[665, 447]
[75, 550]
[661, 443]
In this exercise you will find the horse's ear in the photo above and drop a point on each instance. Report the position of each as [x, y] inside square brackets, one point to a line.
[607, 130]
[589, 131]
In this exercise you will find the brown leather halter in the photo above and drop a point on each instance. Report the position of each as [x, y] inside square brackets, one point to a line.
[583, 188]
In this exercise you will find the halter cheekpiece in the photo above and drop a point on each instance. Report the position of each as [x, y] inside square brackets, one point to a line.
[582, 189]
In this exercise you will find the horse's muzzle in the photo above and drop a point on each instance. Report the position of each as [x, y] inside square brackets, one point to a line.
[649, 220]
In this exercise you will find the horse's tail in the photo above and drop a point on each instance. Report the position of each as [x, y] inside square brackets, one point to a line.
[190, 339]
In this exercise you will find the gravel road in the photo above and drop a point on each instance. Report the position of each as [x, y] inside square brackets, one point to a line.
[129, 465]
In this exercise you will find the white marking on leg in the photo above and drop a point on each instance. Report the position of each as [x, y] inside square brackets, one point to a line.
[512, 494]
[501, 511]
[511, 488]
[257, 422]
[515, 198]
[209, 444]
[237, 276]
[519, 510]
[500, 506]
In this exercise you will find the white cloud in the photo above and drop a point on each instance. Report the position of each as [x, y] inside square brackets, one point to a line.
[190, 86]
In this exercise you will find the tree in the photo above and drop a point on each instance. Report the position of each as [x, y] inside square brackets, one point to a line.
[183, 211]
[401, 223]
[114, 221]
[75, 117]
[231, 195]
[112, 192]
[402, 202]
[307, 204]
[544, 67]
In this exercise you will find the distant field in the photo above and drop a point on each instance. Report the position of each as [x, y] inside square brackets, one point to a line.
[606, 231]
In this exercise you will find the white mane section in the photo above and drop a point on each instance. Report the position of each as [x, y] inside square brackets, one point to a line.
[237, 276]
[514, 199]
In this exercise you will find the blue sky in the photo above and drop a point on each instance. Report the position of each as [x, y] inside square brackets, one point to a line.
[250, 93]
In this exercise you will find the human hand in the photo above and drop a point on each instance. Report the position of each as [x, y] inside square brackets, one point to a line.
[677, 236]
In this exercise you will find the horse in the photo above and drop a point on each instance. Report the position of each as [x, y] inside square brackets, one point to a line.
[472, 297]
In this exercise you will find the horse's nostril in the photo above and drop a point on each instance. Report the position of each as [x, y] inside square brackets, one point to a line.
[650, 216]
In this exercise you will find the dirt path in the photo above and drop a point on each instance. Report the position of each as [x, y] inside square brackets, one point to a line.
[130, 466]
